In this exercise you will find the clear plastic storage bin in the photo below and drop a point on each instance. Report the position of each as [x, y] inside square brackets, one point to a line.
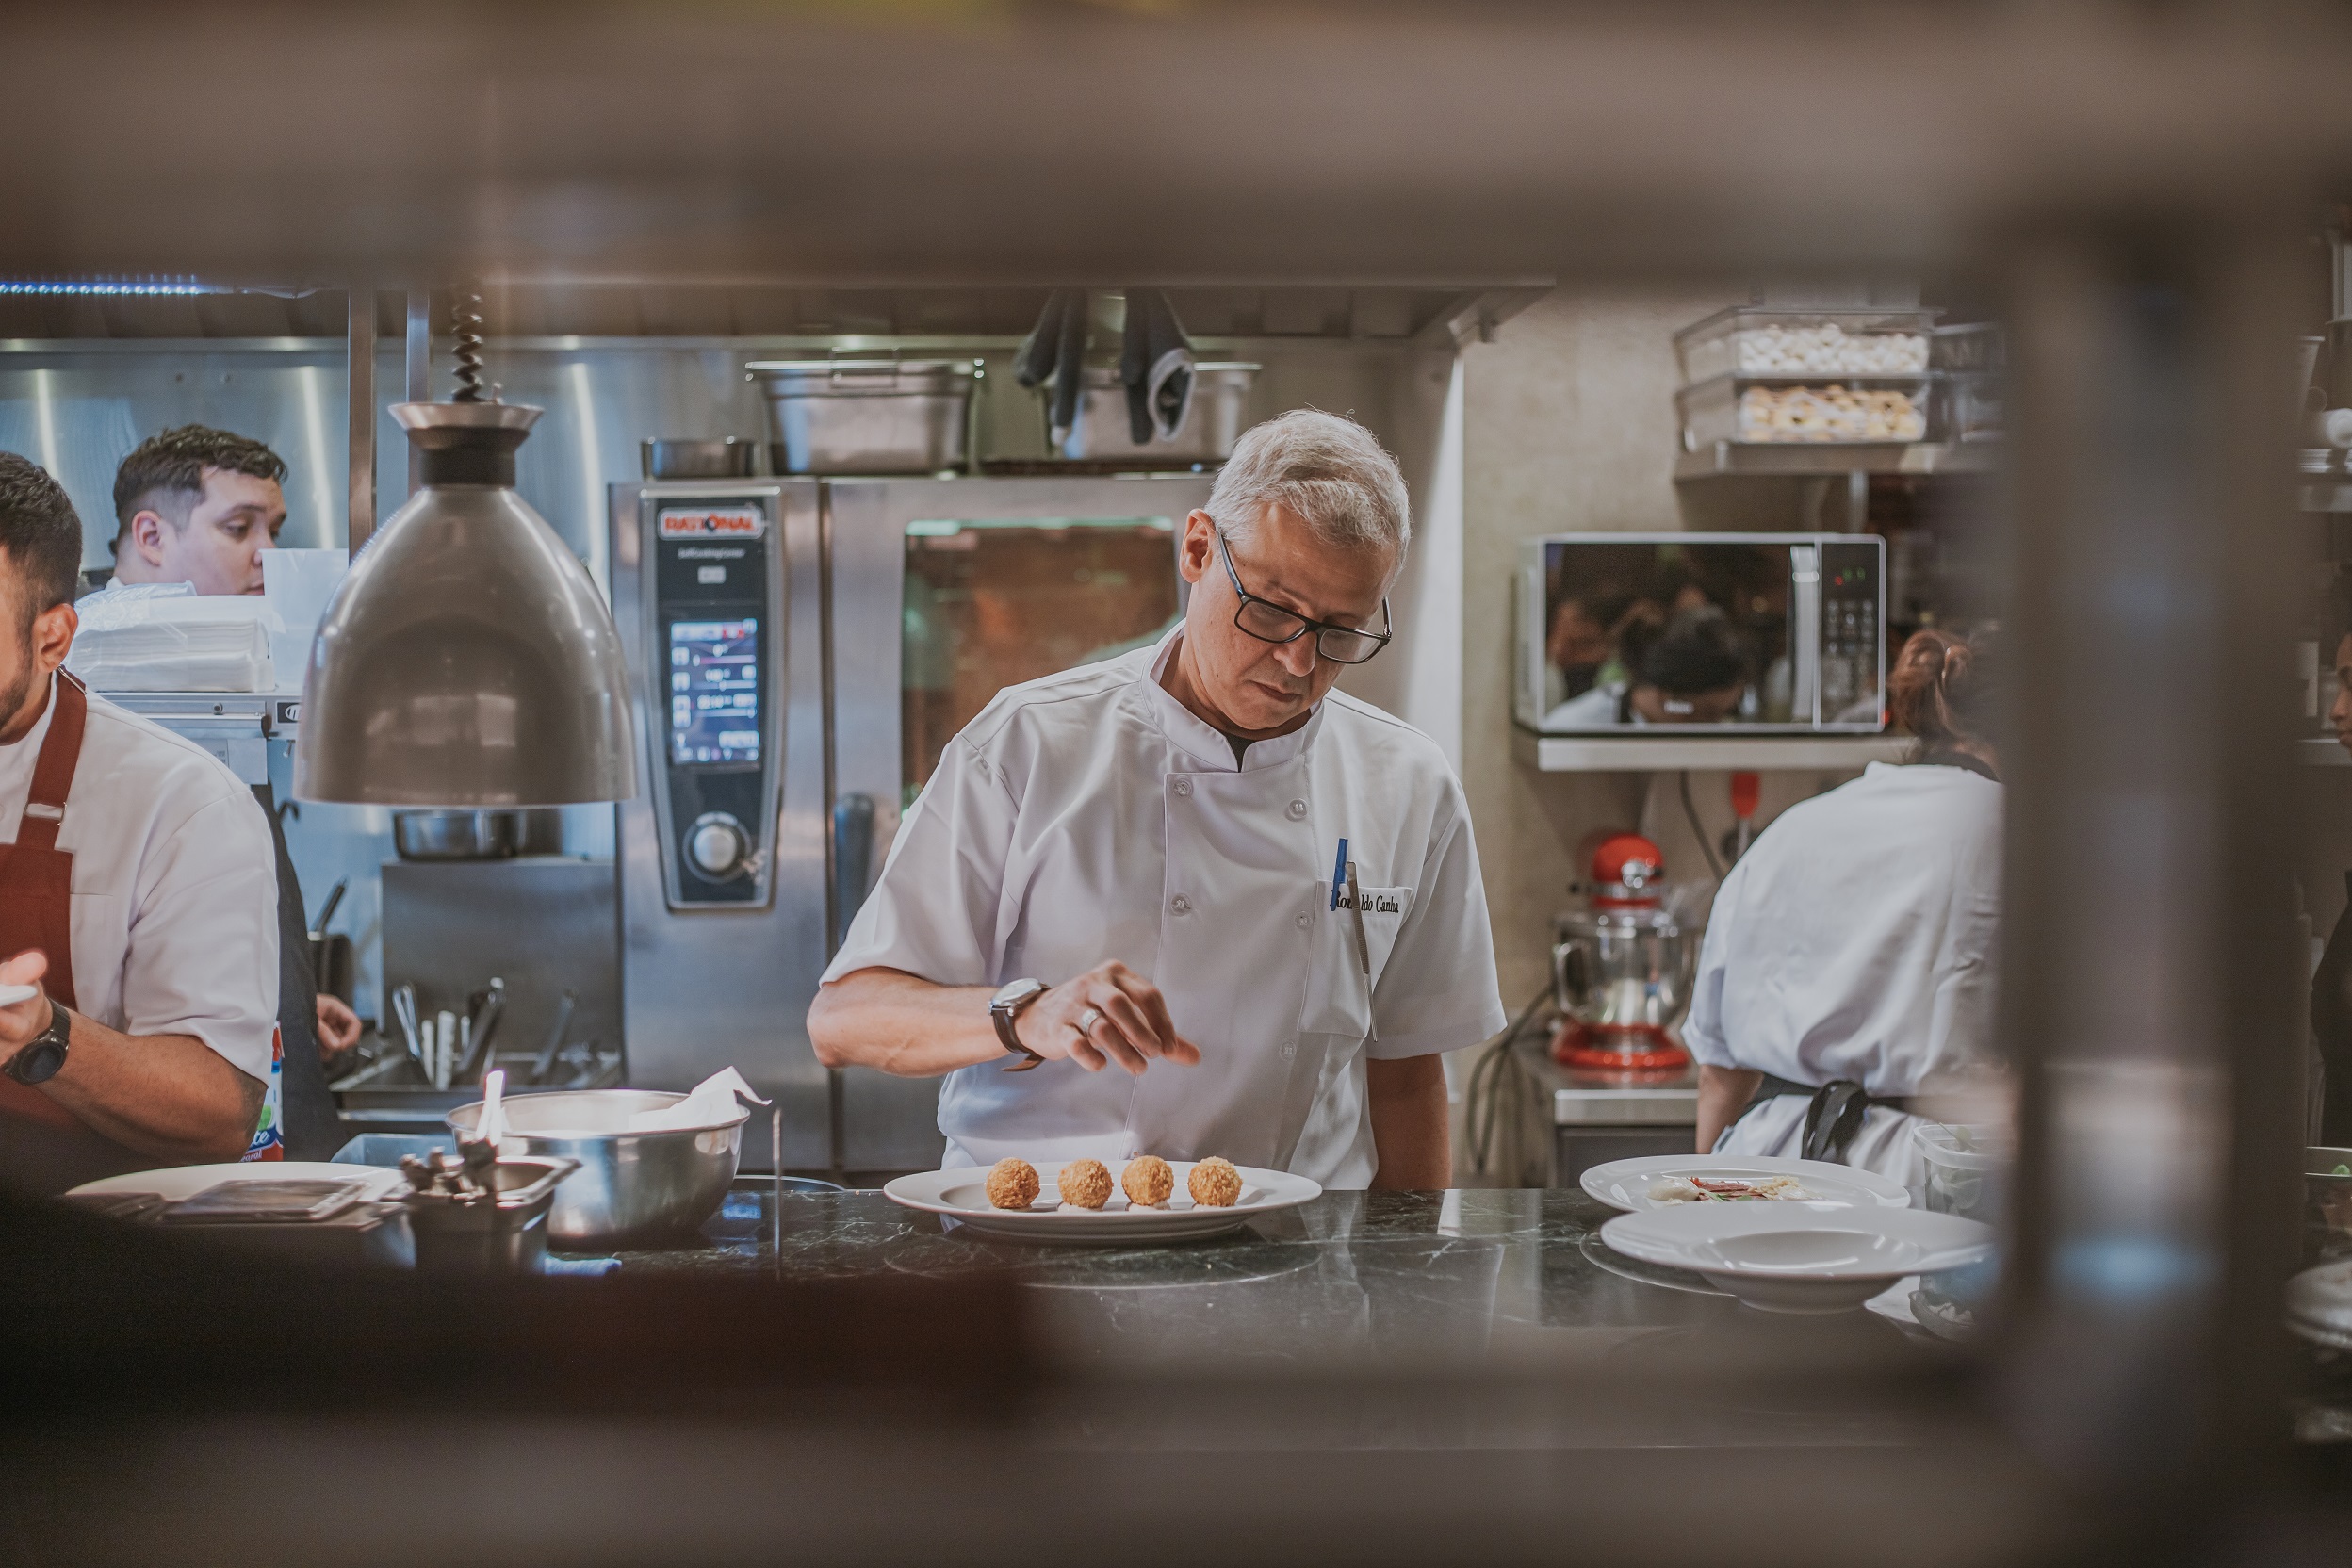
[1769, 411]
[1770, 340]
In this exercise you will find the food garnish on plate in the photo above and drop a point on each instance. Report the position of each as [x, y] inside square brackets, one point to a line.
[1726, 1189]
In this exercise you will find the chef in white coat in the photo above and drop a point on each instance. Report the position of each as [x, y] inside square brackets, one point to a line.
[1849, 961]
[139, 902]
[1193, 900]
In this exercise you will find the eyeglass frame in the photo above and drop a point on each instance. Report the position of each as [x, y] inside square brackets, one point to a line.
[1381, 639]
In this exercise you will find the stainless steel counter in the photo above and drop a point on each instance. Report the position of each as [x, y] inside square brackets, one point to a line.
[1597, 1117]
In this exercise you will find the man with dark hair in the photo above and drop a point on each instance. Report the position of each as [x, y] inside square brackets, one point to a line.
[138, 901]
[198, 505]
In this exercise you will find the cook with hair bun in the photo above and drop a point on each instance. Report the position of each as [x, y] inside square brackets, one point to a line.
[1849, 960]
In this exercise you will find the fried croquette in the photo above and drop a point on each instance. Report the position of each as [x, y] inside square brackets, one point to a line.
[1012, 1184]
[1147, 1181]
[1215, 1182]
[1085, 1183]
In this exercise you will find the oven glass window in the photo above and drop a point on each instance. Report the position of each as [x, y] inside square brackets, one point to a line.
[714, 691]
[991, 604]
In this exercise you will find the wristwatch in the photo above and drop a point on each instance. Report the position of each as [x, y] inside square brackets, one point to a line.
[38, 1060]
[1003, 1008]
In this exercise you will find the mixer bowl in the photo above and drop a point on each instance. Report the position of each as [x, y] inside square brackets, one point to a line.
[631, 1186]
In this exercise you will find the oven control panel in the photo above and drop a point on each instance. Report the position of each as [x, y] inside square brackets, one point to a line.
[712, 698]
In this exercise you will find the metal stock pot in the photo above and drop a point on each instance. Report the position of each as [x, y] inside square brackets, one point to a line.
[631, 1186]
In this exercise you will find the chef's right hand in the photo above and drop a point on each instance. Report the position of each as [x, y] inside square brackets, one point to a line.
[1129, 1023]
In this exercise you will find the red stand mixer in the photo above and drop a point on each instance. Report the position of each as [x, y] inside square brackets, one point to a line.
[1622, 966]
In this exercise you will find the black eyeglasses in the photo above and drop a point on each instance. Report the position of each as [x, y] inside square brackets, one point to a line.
[1269, 622]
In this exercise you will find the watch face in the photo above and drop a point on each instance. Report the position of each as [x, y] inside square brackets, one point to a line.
[1015, 990]
[37, 1063]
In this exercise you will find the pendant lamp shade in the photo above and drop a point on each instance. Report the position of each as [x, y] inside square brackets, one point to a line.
[468, 659]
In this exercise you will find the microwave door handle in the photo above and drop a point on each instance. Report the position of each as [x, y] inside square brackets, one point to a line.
[1804, 634]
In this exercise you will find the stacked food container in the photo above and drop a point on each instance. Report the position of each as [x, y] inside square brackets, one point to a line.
[1770, 375]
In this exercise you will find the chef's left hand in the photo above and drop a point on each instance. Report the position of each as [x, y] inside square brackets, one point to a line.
[338, 1026]
[21, 1022]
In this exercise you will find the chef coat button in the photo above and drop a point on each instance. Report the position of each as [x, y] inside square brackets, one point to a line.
[1181, 905]
[1183, 786]
[1300, 921]
[1290, 1049]
[1297, 809]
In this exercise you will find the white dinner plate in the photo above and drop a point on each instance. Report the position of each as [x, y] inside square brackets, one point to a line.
[962, 1195]
[11, 995]
[1800, 1257]
[1626, 1183]
[173, 1182]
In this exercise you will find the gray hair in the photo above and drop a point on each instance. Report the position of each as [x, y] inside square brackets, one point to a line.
[1328, 469]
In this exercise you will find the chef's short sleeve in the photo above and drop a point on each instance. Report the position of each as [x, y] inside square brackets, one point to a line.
[202, 956]
[1438, 991]
[934, 912]
[1702, 1025]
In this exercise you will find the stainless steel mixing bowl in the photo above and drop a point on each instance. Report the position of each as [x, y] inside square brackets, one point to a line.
[631, 1188]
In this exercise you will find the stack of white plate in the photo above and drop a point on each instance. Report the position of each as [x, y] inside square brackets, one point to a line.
[1852, 1235]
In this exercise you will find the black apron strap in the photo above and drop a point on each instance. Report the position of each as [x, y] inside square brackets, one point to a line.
[1834, 1115]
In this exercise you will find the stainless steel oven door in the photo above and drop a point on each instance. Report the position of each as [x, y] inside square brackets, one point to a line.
[945, 590]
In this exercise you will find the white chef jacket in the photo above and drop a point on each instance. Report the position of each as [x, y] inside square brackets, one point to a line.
[1855, 939]
[174, 916]
[1090, 816]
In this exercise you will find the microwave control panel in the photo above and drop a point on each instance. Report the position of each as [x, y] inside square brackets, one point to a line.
[712, 704]
[1853, 630]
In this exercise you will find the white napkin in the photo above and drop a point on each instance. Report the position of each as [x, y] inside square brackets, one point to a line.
[712, 1104]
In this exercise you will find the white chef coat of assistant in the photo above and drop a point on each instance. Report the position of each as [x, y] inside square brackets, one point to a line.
[1090, 816]
[174, 914]
[1855, 939]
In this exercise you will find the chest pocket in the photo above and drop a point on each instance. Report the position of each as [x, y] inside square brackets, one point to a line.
[1338, 999]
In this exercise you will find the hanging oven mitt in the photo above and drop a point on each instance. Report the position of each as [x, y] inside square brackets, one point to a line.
[1054, 354]
[1155, 365]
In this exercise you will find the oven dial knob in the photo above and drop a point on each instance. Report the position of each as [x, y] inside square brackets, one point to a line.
[717, 845]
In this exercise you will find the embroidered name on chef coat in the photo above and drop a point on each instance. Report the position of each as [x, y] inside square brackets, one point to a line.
[1374, 902]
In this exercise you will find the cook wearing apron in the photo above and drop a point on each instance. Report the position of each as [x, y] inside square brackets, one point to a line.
[139, 870]
[1095, 816]
[1849, 959]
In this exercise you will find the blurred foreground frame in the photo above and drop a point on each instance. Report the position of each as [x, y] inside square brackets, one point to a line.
[2127, 179]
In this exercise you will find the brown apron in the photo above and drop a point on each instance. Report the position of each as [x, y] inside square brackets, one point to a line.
[43, 1144]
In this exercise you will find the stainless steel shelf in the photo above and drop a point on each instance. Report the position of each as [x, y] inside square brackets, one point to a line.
[1669, 753]
[1737, 459]
[235, 727]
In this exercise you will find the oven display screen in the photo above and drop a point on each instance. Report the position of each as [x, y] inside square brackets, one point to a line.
[714, 691]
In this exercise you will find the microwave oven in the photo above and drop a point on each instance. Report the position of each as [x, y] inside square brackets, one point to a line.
[1733, 633]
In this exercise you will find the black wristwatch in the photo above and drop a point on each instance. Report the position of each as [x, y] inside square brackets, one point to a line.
[1003, 1008]
[41, 1057]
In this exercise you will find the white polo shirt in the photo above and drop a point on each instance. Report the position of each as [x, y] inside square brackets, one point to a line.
[176, 885]
[1090, 816]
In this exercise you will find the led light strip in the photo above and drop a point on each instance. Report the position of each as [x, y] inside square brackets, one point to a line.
[106, 285]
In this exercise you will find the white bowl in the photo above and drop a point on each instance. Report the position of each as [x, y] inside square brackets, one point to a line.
[1799, 1257]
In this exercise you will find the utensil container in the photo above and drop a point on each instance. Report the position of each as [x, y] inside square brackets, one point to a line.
[631, 1186]
[507, 1234]
[866, 417]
